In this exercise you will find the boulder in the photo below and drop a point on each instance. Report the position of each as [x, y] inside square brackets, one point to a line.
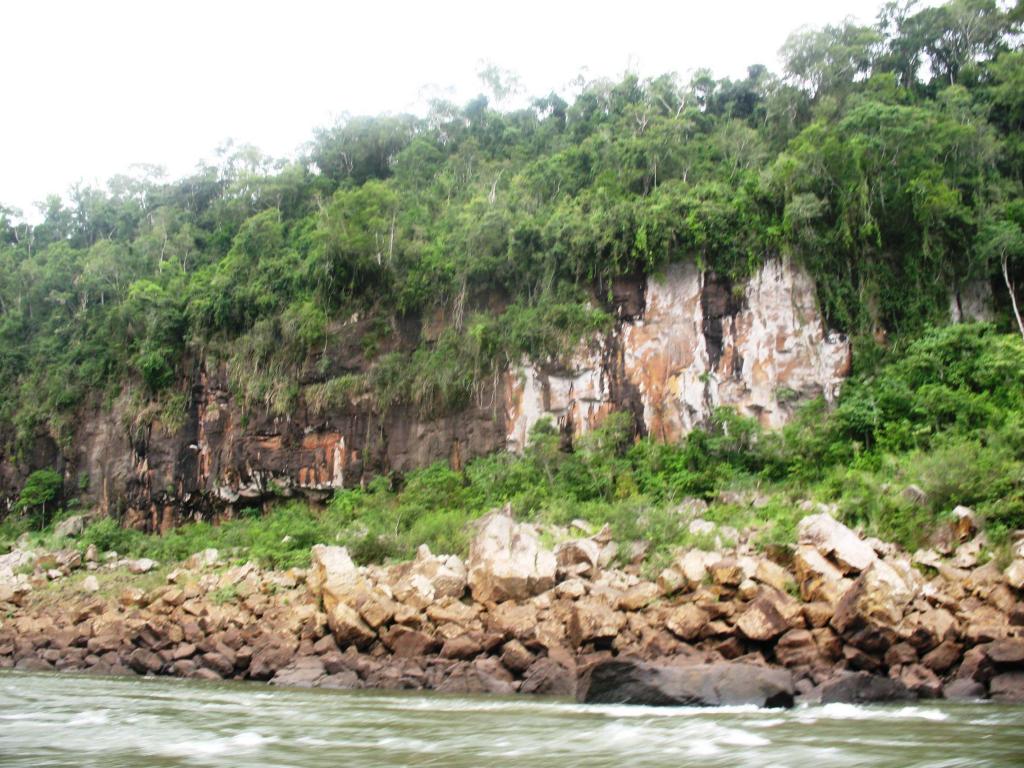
[480, 676]
[207, 558]
[592, 620]
[819, 579]
[862, 688]
[1008, 651]
[921, 681]
[332, 577]
[462, 647]
[516, 657]
[507, 561]
[1014, 574]
[877, 598]
[797, 648]
[762, 621]
[348, 626]
[405, 642]
[140, 566]
[639, 596]
[434, 576]
[621, 681]
[687, 621]
[90, 584]
[832, 538]
[965, 522]
[546, 677]
[578, 557]
[70, 527]
[942, 658]
[1007, 687]
[693, 565]
[963, 689]
[772, 574]
[303, 672]
[726, 572]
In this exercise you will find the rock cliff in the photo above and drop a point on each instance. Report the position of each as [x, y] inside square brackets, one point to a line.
[683, 343]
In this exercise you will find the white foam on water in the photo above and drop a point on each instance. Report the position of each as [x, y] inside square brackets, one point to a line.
[704, 748]
[744, 739]
[860, 712]
[250, 739]
[245, 741]
[89, 718]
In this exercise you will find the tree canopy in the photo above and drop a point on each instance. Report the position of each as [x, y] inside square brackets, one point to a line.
[887, 159]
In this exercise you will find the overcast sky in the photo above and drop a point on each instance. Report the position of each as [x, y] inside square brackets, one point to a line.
[91, 88]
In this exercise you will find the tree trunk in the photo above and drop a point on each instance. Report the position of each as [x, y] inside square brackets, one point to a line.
[1013, 296]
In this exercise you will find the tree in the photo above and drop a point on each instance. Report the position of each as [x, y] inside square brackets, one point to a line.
[42, 488]
[1002, 240]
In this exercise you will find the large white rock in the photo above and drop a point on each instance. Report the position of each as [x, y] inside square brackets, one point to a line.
[507, 561]
[332, 576]
[445, 573]
[831, 537]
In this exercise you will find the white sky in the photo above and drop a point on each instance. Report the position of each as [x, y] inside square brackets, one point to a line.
[90, 88]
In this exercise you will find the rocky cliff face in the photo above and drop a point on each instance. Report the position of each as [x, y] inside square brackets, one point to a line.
[688, 343]
[684, 343]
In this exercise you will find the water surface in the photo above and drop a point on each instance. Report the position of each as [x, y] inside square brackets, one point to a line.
[64, 720]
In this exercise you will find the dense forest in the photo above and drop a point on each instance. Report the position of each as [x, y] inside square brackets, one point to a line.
[887, 159]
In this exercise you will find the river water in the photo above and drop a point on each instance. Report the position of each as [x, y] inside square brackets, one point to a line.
[66, 720]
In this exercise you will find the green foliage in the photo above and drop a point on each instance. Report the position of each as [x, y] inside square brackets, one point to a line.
[39, 495]
[406, 263]
[891, 181]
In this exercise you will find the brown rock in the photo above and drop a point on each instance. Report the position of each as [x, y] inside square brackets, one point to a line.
[513, 619]
[461, 647]
[819, 580]
[348, 626]
[901, 654]
[332, 577]
[516, 657]
[270, 658]
[797, 648]
[639, 596]
[687, 621]
[408, 643]
[303, 672]
[1009, 651]
[143, 661]
[376, 609]
[591, 619]
[578, 557]
[976, 666]
[943, 657]
[1007, 687]
[761, 621]
[727, 572]
[921, 680]
[818, 614]
[218, 663]
[451, 611]
[878, 597]
[548, 678]
[773, 574]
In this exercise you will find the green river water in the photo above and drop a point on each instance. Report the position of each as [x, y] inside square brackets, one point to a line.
[67, 720]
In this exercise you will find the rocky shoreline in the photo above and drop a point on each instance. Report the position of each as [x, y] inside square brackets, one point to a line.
[839, 619]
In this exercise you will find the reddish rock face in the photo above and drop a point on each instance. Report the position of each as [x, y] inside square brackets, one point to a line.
[695, 342]
[684, 343]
